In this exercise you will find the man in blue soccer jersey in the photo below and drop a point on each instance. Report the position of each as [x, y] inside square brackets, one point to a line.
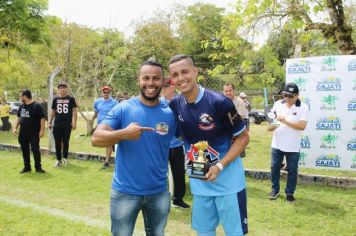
[144, 127]
[101, 108]
[205, 115]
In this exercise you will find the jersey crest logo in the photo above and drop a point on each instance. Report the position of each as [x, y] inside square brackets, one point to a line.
[206, 122]
[162, 128]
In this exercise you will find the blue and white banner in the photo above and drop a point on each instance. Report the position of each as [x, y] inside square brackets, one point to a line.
[328, 86]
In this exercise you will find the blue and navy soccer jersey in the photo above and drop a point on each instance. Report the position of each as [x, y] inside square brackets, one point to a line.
[212, 118]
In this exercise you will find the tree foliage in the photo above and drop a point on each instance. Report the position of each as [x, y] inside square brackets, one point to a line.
[198, 29]
[32, 45]
[255, 15]
[21, 19]
[154, 38]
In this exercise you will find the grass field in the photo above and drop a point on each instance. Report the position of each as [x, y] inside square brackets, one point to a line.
[258, 151]
[74, 200]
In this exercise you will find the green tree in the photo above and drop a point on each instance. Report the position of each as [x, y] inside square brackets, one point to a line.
[90, 59]
[154, 38]
[21, 19]
[256, 15]
[198, 28]
[282, 43]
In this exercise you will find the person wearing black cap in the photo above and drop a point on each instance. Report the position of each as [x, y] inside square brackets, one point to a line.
[64, 110]
[101, 108]
[31, 119]
[292, 116]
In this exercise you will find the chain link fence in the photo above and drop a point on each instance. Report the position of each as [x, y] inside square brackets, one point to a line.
[261, 98]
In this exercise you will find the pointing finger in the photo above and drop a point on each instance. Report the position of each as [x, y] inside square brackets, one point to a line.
[146, 129]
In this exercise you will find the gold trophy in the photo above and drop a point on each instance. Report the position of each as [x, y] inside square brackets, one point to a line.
[200, 166]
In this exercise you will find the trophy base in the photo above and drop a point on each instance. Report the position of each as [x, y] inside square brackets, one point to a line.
[199, 170]
[198, 176]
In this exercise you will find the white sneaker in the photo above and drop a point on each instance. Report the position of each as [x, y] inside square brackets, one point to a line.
[65, 161]
[57, 164]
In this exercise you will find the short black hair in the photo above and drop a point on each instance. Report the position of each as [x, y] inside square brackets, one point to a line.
[180, 57]
[27, 93]
[230, 84]
[151, 62]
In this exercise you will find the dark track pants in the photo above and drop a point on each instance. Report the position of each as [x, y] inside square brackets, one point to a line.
[61, 136]
[176, 160]
[6, 125]
[25, 142]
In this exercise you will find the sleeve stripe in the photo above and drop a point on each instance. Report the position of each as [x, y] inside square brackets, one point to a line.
[239, 132]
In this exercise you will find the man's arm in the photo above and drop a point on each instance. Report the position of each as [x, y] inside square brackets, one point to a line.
[272, 128]
[299, 125]
[239, 144]
[16, 125]
[42, 128]
[74, 120]
[105, 136]
[51, 117]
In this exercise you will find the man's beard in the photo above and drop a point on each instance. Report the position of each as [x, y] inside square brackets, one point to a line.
[142, 90]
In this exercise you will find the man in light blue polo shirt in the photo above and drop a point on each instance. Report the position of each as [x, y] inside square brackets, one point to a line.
[144, 127]
[102, 106]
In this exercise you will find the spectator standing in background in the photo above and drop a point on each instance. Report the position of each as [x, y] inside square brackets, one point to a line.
[64, 113]
[102, 106]
[292, 115]
[246, 109]
[5, 115]
[229, 91]
[176, 156]
[240, 105]
[31, 119]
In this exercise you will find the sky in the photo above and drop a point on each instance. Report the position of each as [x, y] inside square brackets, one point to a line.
[116, 13]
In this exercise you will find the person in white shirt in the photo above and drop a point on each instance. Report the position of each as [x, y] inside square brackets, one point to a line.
[292, 118]
[229, 91]
[245, 109]
[240, 105]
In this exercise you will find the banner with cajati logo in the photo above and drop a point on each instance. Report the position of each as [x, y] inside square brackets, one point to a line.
[327, 85]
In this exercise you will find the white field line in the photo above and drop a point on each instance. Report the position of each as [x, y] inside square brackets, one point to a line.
[55, 212]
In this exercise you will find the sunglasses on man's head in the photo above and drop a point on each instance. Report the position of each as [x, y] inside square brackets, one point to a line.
[288, 95]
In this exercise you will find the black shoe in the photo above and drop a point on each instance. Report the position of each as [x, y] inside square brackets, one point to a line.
[40, 171]
[273, 195]
[105, 166]
[290, 198]
[180, 204]
[24, 170]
